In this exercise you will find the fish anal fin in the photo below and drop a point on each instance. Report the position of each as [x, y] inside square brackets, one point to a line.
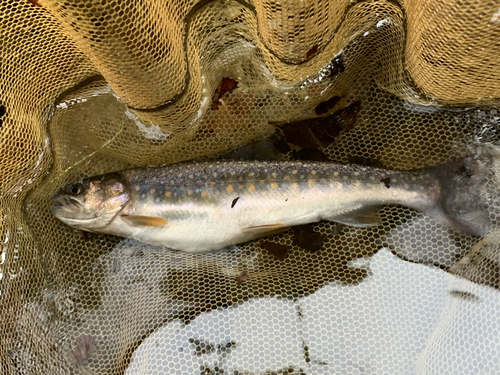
[265, 229]
[363, 217]
[144, 221]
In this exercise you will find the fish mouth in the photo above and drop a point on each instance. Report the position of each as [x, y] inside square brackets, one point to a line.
[67, 209]
[58, 202]
[63, 201]
[69, 217]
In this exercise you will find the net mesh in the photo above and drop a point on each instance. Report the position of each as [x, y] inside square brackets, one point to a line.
[97, 86]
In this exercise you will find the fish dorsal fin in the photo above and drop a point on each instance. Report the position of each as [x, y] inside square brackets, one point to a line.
[265, 229]
[363, 217]
[144, 221]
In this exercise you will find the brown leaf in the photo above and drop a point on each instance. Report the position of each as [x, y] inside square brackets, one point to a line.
[307, 238]
[278, 250]
[312, 51]
[325, 106]
[87, 236]
[226, 85]
[319, 132]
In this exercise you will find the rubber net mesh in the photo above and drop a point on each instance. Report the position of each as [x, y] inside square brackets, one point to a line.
[90, 87]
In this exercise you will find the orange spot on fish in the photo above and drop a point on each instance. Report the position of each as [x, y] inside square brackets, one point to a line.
[190, 192]
[168, 194]
[274, 185]
[229, 188]
[204, 193]
[251, 187]
[295, 185]
[310, 182]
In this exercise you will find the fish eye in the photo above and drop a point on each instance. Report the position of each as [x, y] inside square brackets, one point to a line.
[76, 189]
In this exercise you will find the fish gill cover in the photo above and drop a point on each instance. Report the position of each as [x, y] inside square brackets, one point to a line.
[93, 87]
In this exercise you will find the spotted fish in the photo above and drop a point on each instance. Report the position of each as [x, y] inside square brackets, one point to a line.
[204, 206]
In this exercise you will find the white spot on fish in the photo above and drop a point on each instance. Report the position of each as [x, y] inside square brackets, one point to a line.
[312, 172]
[356, 173]
[295, 171]
[335, 174]
[143, 196]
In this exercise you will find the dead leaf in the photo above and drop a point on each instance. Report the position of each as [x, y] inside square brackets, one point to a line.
[226, 85]
[319, 132]
[325, 106]
[312, 51]
[278, 250]
[307, 238]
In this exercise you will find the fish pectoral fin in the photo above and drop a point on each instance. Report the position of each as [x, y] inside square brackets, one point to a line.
[265, 229]
[144, 221]
[363, 217]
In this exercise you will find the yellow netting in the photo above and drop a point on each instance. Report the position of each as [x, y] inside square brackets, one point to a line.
[96, 86]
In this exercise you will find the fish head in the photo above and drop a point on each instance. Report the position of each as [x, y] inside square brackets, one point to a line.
[91, 203]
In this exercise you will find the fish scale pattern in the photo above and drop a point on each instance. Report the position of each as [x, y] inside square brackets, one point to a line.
[91, 87]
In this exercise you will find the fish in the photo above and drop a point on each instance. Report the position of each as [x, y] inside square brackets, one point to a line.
[203, 206]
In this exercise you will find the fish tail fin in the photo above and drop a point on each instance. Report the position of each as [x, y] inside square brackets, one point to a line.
[462, 201]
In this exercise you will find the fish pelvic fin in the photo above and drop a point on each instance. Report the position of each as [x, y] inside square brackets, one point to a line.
[462, 202]
[361, 218]
[144, 221]
[266, 229]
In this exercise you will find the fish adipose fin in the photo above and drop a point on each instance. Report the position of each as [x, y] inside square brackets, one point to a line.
[144, 221]
[462, 202]
[266, 229]
[363, 217]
